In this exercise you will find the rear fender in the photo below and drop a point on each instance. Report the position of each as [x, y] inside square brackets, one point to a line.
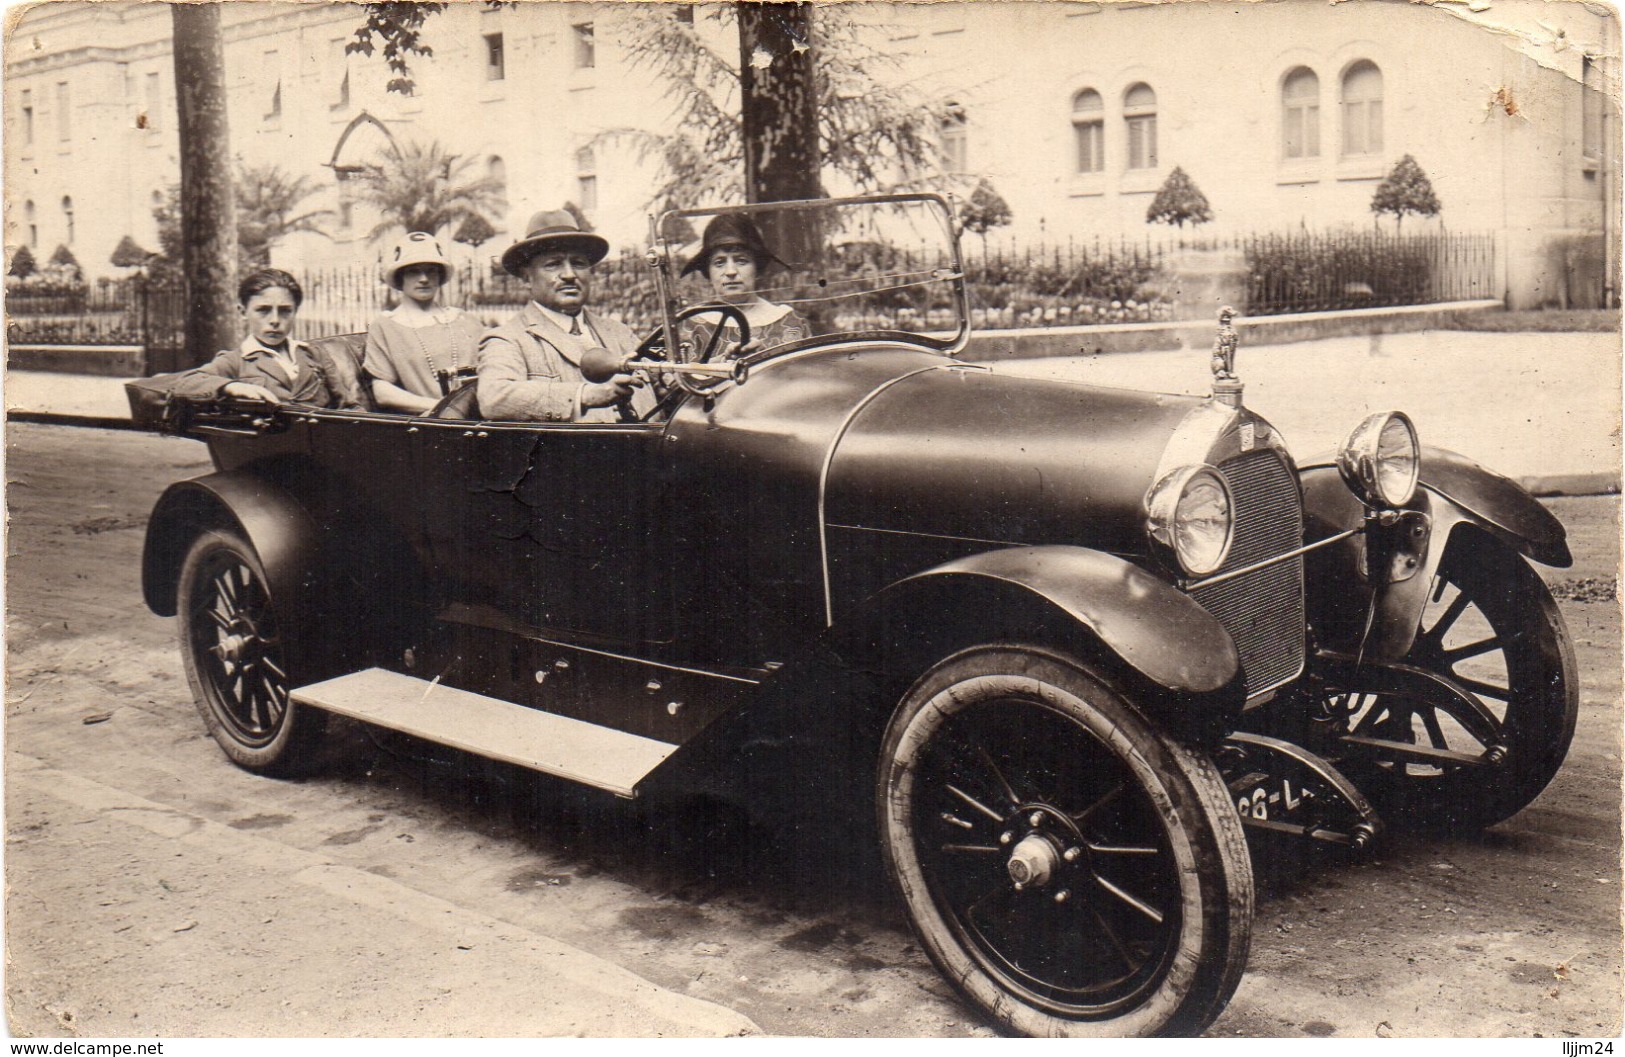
[281, 532]
[1174, 650]
[1348, 612]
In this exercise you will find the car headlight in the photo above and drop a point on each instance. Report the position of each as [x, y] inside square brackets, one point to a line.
[1380, 461]
[1190, 514]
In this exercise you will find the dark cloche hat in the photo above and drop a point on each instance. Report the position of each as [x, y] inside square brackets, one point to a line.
[731, 229]
[553, 230]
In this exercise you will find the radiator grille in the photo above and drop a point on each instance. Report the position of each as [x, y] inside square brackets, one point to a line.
[1264, 609]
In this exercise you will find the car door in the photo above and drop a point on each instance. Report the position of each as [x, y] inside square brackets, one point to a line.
[549, 528]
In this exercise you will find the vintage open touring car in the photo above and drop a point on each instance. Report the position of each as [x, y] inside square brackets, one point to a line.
[1081, 640]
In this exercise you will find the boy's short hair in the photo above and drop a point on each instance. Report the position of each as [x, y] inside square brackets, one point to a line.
[265, 279]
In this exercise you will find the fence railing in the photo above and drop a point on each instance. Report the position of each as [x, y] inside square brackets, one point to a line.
[1078, 282]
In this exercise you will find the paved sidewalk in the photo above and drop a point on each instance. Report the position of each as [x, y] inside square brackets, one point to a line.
[329, 933]
[1540, 408]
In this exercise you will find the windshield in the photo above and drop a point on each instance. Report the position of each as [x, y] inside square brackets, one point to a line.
[803, 273]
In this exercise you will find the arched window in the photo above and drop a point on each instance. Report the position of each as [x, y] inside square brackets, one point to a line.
[1300, 114]
[67, 215]
[33, 225]
[587, 179]
[1089, 130]
[951, 131]
[1362, 109]
[1140, 123]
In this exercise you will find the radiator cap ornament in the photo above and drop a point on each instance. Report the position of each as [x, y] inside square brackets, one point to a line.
[1226, 386]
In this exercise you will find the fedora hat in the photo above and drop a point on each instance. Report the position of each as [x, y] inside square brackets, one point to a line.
[731, 229]
[557, 231]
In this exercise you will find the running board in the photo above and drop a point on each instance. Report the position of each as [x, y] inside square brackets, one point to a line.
[486, 726]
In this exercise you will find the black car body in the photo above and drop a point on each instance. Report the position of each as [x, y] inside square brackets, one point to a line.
[1076, 641]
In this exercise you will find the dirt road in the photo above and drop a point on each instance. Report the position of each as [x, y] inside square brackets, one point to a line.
[153, 889]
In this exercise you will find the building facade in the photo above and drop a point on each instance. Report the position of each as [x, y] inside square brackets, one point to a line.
[1285, 115]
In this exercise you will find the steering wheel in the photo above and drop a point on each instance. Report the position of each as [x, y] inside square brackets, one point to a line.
[461, 402]
[654, 346]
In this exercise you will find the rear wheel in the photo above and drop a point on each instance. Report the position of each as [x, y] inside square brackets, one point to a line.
[236, 659]
[1071, 869]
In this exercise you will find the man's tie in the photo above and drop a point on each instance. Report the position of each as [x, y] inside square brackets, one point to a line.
[575, 323]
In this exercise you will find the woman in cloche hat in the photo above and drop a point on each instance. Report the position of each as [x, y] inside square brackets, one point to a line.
[734, 256]
[419, 351]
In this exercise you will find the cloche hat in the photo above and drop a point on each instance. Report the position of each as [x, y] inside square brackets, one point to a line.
[416, 247]
[731, 229]
[554, 230]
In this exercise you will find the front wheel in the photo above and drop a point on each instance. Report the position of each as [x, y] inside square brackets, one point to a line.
[1490, 627]
[1072, 870]
[236, 660]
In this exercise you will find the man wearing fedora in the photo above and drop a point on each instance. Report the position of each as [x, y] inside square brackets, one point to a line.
[530, 365]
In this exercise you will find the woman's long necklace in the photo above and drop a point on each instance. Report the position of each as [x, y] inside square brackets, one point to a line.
[443, 377]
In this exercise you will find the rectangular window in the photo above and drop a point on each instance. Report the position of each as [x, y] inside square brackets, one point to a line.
[587, 179]
[154, 100]
[1142, 142]
[1590, 110]
[495, 63]
[273, 66]
[586, 47]
[28, 118]
[64, 114]
[955, 151]
[341, 65]
[1091, 146]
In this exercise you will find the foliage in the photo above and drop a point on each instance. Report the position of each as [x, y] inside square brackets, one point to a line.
[1309, 271]
[22, 263]
[129, 254]
[474, 231]
[268, 202]
[397, 25]
[1054, 285]
[63, 259]
[985, 210]
[1178, 201]
[870, 134]
[1405, 190]
[424, 187]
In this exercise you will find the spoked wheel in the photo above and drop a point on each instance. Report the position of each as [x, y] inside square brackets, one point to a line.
[1069, 868]
[235, 660]
[1492, 629]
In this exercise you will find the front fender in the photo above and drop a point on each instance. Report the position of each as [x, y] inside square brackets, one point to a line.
[1498, 505]
[280, 530]
[1151, 627]
[1347, 611]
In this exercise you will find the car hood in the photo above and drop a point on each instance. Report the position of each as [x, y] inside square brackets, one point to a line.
[969, 452]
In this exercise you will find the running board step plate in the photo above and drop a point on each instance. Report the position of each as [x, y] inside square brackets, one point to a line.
[485, 726]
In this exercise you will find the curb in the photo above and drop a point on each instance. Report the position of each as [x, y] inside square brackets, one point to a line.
[1558, 485]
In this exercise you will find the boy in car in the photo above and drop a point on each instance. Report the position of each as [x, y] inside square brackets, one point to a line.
[269, 365]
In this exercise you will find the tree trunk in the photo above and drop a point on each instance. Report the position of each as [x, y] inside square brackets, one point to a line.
[208, 210]
[778, 102]
[779, 126]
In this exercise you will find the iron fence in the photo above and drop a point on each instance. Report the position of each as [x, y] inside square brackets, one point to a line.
[345, 300]
[1311, 272]
[1078, 282]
